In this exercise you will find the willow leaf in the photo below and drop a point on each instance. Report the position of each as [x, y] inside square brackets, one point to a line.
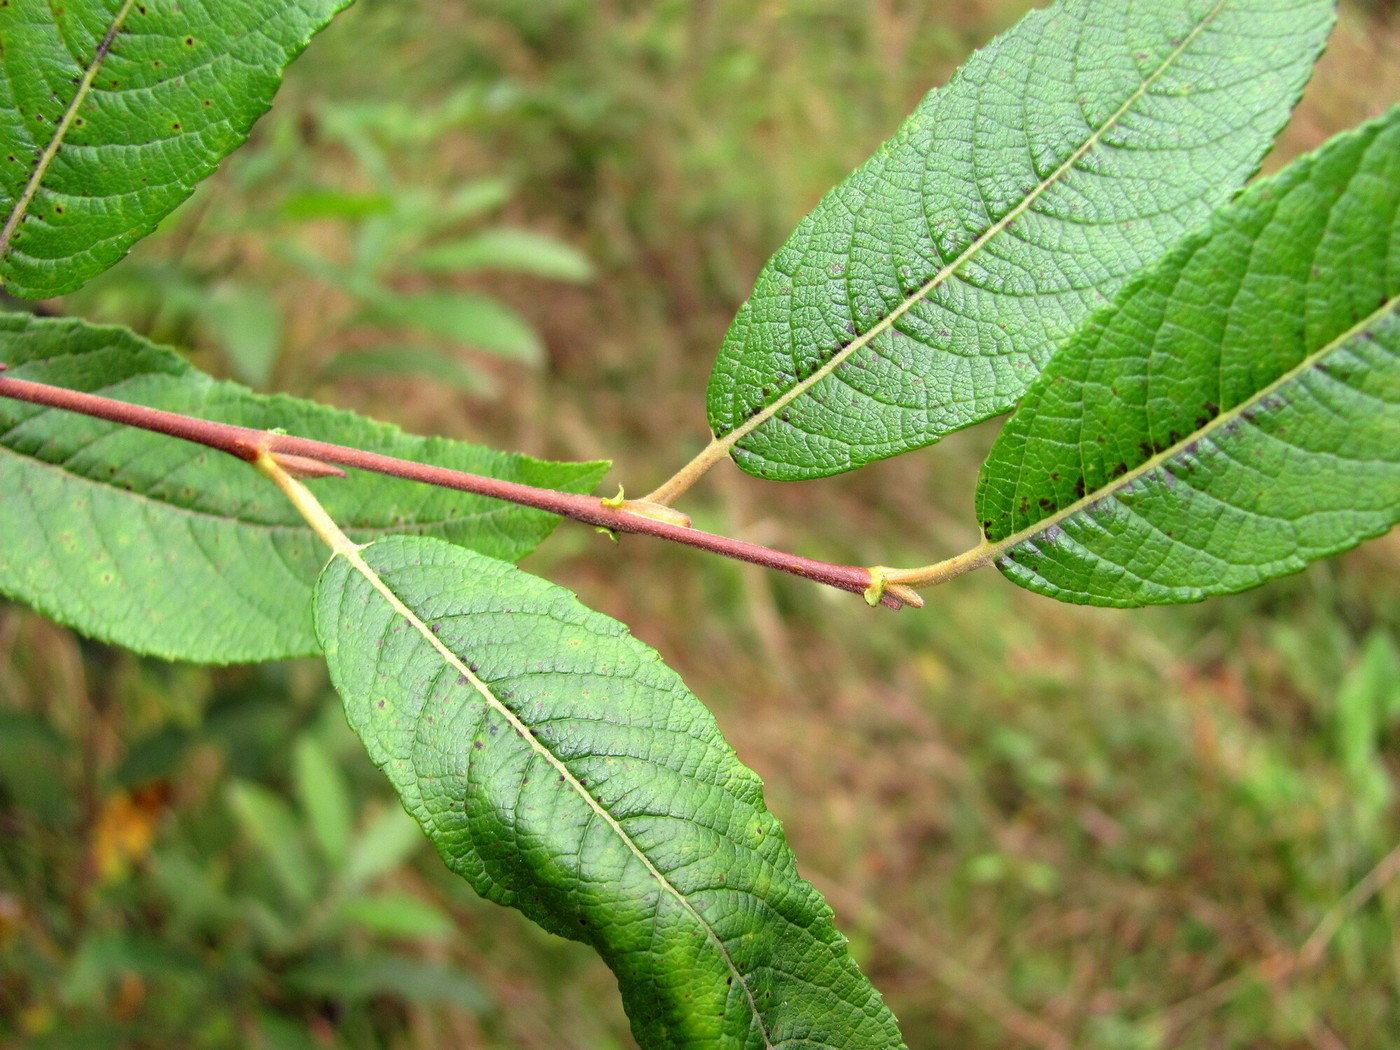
[1235, 415]
[927, 290]
[111, 111]
[168, 548]
[563, 770]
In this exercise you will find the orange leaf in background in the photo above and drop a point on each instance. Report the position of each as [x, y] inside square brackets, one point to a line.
[126, 828]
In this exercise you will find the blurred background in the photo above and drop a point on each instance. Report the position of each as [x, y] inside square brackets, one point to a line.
[528, 225]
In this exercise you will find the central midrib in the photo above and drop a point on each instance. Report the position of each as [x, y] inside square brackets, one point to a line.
[356, 560]
[995, 549]
[36, 178]
[723, 444]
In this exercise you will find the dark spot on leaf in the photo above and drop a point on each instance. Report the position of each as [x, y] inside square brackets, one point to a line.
[1120, 470]
[381, 705]
[1145, 449]
[174, 127]
[1173, 437]
[1079, 489]
[1024, 507]
[1100, 439]
[479, 745]
[987, 525]
[1201, 421]
[189, 41]
[1212, 409]
[1045, 504]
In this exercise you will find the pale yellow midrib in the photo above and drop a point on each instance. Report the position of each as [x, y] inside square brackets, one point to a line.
[352, 555]
[36, 178]
[722, 445]
[992, 551]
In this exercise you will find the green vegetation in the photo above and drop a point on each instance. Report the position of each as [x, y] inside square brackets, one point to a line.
[1039, 824]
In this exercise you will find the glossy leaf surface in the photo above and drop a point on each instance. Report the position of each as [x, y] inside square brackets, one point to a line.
[563, 770]
[171, 549]
[927, 290]
[111, 111]
[1236, 414]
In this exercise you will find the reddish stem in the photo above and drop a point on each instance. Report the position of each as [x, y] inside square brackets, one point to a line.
[245, 442]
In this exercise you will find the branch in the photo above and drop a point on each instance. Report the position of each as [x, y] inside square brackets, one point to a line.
[613, 515]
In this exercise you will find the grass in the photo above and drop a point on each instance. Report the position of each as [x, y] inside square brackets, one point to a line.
[1040, 825]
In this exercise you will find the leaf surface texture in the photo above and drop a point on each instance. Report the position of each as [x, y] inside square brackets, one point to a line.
[111, 111]
[562, 769]
[1235, 415]
[175, 550]
[926, 291]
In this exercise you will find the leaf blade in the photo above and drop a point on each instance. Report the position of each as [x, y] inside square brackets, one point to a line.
[563, 770]
[170, 549]
[882, 326]
[86, 173]
[1241, 401]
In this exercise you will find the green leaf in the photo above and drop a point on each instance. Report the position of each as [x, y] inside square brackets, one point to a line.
[1367, 699]
[247, 324]
[397, 362]
[111, 111]
[170, 549]
[413, 980]
[397, 914]
[324, 795]
[333, 204]
[1236, 413]
[563, 770]
[477, 321]
[516, 251]
[269, 822]
[926, 291]
[388, 841]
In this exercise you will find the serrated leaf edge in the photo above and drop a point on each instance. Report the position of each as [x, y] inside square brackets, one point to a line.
[993, 551]
[31, 188]
[722, 444]
[351, 554]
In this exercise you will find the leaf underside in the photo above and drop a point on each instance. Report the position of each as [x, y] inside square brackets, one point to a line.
[562, 769]
[111, 111]
[926, 291]
[1236, 414]
[174, 550]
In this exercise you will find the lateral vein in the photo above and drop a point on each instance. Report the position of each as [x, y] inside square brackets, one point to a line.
[36, 177]
[722, 445]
